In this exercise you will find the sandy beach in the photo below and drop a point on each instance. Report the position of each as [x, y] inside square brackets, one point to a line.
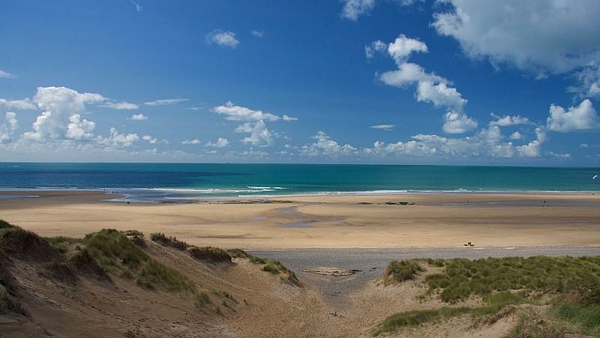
[323, 221]
[338, 246]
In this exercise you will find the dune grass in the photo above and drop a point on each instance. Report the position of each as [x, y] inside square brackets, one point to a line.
[537, 275]
[116, 253]
[173, 242]
[572, 284]
[400, 271]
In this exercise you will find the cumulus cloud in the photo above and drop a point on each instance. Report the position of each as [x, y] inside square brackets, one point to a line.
[165, 102]
[238, 113]
[117, 140]
[458, 123]
[386, 127]
[25, 104]
[254, 123]
[403, 47]
[430, 87]
[536, 35]
[8, 125]
[488, 142]
[589, 81]
[61, 117]
[150, 139]
[260, 135]
[440, 95]
[80, 129]
[354, 8]
[325, 146]
[258, 34]
[138, 117]
[221, 143]
[516, 136]
[222, 38]
[582, 117]
[505, 121]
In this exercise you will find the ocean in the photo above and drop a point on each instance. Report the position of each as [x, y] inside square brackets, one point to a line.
[147, 182]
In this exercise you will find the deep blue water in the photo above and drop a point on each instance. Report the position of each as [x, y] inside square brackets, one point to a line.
[165, 181]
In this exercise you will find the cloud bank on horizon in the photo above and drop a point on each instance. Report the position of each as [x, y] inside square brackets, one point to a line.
[356, 81]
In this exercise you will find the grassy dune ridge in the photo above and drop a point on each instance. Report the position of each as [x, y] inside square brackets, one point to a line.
[549, 296]
[570, 287]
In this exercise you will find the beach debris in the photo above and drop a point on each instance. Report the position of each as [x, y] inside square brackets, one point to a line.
[469, 244]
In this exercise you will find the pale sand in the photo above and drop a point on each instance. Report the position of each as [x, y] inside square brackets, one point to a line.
[347, 221]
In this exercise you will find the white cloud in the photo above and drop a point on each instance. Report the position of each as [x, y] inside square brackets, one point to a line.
[6, 75]
[117, 140]
[430, 87]
[516, 136]
[238, 113]
[403, 47]
[589, 81]
[355, 8]
[506, 121]
[138, 117]
[61, 113]
[254, 123]
[487, 143]
[440, 95]
[258, 34]
[375, 47]
[260, 135]
[8, 126]
[121, 105]
[194, 141]
[458, 123]
[386, 127]
[25, 104]
[222, 38]
[150, 139]
[165, 102]
[79, 129]
[221, 143]
[537, 36]
[325, 146]
[582, 117]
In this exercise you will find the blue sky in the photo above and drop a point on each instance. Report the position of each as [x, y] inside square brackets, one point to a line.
[352, 81]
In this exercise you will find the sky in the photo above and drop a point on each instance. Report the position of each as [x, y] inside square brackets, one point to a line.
[457, 82]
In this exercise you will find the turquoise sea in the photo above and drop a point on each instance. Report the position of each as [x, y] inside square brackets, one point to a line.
[172, 182]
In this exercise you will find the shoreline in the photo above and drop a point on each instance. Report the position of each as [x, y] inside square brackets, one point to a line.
[371, 221]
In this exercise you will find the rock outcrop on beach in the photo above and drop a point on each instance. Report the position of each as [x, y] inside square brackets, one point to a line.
[124, 284]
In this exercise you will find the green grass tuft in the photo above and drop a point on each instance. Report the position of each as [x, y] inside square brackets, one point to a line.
[173, 242]
[202, 299]
[400, 271]
[115, 252]
[157, 275]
